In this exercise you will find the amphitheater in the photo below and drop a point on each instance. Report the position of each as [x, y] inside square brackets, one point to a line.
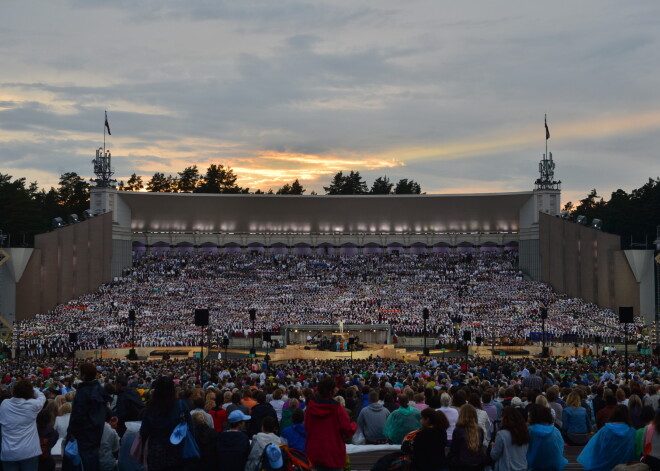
[578, 260]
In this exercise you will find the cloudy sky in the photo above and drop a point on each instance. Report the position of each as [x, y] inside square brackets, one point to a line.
[451, 94]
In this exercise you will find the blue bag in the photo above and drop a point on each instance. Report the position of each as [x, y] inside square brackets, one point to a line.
[183, 436]
[71, 452]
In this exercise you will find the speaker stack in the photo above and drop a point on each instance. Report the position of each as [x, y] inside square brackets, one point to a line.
[201, 317]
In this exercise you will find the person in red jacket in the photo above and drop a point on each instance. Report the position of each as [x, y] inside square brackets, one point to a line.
[328, 425]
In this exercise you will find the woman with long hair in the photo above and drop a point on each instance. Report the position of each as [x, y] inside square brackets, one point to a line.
[613, 444]
[482, 416]
[427, 446]
[510, 450]
[467, 452]
[575, 421]
[161, 415]
[546, 445]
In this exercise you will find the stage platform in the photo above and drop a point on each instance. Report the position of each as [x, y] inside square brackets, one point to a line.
[304, 352]
[311, 352]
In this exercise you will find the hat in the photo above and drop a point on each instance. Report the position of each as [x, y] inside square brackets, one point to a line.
[516, 402]
[237, 416]
[274, 455]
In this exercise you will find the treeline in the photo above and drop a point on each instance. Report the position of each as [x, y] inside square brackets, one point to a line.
[635, 216]
[26, 210]
[221, 179]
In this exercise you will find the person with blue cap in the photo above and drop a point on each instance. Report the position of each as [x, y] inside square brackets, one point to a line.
[233, 443]
[260, 441]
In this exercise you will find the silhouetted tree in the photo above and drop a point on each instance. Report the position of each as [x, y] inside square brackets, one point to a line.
[188, 179]
[134, 183]
[219, 179]
[407, 187]
[381, 186]
[294, 189]
[159, 183]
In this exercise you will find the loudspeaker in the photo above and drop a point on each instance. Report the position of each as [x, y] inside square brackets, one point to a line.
[479, 340]
[544, 313]
[253, 314]
[656, 350]
[266, 336]
[351, 340]
[467, 335]
[253, 351]
[73, 337]
[545, 352]
[626, 315]
[201, 317]
[101, 341]
[426, 352]
[425, 313]
[598, 339]
[131, 316]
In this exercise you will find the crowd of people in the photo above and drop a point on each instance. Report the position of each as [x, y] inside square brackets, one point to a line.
[504, 414]
[485, 294]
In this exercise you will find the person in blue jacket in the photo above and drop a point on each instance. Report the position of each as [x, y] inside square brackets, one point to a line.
[296, 435]
[546, 445]
[575, 420]
[613, 444]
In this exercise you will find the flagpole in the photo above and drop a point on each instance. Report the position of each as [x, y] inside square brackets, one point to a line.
[106, 118]
[546, 137]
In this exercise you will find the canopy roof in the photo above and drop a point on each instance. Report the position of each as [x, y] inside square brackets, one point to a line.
[185, 212]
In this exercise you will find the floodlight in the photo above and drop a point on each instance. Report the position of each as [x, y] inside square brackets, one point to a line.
[582, 220]
[597, 224]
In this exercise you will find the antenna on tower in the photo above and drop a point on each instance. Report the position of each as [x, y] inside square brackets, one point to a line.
[102, 163]
[547, 167]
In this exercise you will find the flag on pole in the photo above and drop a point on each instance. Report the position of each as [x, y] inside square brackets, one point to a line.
[547, 131]
[108, 126]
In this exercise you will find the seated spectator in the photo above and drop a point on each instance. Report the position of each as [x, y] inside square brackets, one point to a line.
[613, 444]
[234, 444]
[427, 445]
[296, 435]
[206, 438]
[511, 442]
[401, 422]
[371, 421]
[546, 445]
[259, 442]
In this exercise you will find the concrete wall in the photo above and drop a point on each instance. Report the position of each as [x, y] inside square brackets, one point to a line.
[66, 263]
[587, 263]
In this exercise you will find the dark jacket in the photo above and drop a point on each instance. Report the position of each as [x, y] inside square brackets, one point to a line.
[427, 449]
[461, 457]
[157, 426]
[206, 439]
[259, 413]
[48, 437]
[90, 409]
[234, 448]
[128, 408]
[328, 425]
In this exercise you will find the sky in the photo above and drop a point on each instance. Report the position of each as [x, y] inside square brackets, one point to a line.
[450, 94]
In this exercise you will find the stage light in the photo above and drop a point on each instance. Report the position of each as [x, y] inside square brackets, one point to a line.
[597, 224]
[58, 222]
[582, 220]
[73, 218]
